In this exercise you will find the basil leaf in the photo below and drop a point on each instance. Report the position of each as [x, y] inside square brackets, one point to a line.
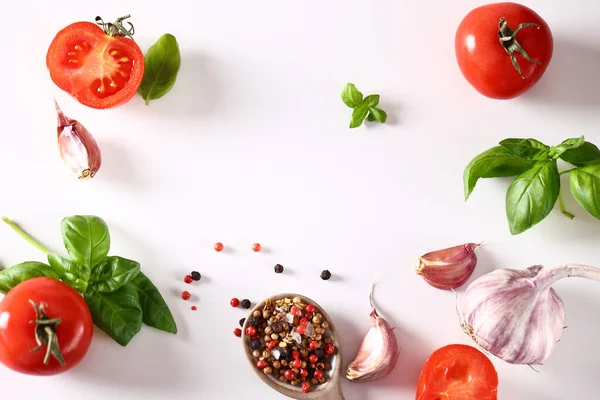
[568, 144]
[493, 163]
[86, 239]
[529, 149]
[118, 314]
[585, 186]
[161, 66]
[12, 276]
[156, 313]
[113, 272]
[378, 114]
[532, 195]
[371, 100]
[74, 274]
[371, 117]
[351, 96]
[587, 153]
[358, 116]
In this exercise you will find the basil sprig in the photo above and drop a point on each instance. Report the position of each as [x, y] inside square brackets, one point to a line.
[364, 108]
[119, 296]
[161, 66]
[536, 187]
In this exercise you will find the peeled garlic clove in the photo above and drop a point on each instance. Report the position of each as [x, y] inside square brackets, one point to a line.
[516, 315]
[77, 147]
[448, 268]
[378, 353]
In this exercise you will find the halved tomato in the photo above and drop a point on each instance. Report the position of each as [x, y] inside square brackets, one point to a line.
[99, 69]
[458, 372]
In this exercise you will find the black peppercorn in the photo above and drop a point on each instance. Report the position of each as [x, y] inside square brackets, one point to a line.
[242, 321]
[325, 274]
[256, 345]
[196, 275]
[246, 303]
[253, 321]
[277, 328]
[285, 354]
[319, 352]
[278, 268]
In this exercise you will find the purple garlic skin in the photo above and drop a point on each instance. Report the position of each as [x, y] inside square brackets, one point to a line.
[516, 315]
[448, 268]
[78, 148]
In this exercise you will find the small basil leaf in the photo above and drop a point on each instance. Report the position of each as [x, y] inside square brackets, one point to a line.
[493, 163]
[379, 114]
[114, 272]
[155, 310]
[12, 276]
[587, 153]
[358, 116]
[86, 239]
[74, 274]
[532, 195]
[371, 100]
[568, 144]
[118, 314]
[351, 96]
[585, 186]
[161, 66]
[371, 117]
[529, 149]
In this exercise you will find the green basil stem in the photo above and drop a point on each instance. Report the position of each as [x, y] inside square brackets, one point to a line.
[561, 201]
[25, 235]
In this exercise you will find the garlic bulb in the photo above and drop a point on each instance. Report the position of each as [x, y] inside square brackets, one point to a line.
[77, 147]
[516, 315]
[448, 268]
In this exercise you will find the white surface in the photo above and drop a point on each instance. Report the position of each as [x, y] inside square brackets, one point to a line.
[252, 145]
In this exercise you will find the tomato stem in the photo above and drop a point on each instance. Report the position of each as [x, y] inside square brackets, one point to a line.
[508, 39]
[561, 201]
[25, 235]
[116, 28]
[45, 334]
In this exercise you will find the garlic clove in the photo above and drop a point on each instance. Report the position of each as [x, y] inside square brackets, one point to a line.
[77, 147]
[448, 268]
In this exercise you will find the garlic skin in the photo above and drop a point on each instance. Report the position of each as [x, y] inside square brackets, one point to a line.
[516, 315]
[378, 353]
[78, 148]
[448, 268]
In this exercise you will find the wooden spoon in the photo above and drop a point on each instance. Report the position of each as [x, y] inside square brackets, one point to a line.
[330, 390]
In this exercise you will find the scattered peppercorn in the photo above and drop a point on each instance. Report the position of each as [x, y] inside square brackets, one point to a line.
[246, 303]
[278, 269]
[325, 274]
[185, 295]
[194, 308]
[242, 322]
[234, 302]
[237, 332]
[196, 275]
[256, 247]
[218, 246]
[188, 279]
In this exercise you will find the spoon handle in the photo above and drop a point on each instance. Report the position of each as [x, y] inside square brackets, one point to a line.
[333, 395]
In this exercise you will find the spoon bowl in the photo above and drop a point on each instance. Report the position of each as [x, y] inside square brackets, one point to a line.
[331, 389]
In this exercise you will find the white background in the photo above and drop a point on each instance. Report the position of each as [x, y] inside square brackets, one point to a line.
[252, 144]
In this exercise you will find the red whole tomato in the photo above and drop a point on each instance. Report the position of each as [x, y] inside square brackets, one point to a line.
[64, 312]
[101, 68]
[503, 49]
[458, 372]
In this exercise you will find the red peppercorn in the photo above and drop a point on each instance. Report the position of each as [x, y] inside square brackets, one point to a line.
[194, 308]
[313, 359]
[313, 345]
[261, 364]
[295, 354]
[310, 308]
[256, 337]
[303, 373]
[289, 374]
[318, 374]
[309, 315]
[188, 279]
[218, 246]
[256, 247]
[295, 311]
[250, 331]
[237, 332]
[305, 387]
[301, 329]
[272, 344]
[185, 295]
[297, 363]
[329, 348]
[234, 302]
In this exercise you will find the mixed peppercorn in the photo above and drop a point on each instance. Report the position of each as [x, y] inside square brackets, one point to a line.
[292, 342]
